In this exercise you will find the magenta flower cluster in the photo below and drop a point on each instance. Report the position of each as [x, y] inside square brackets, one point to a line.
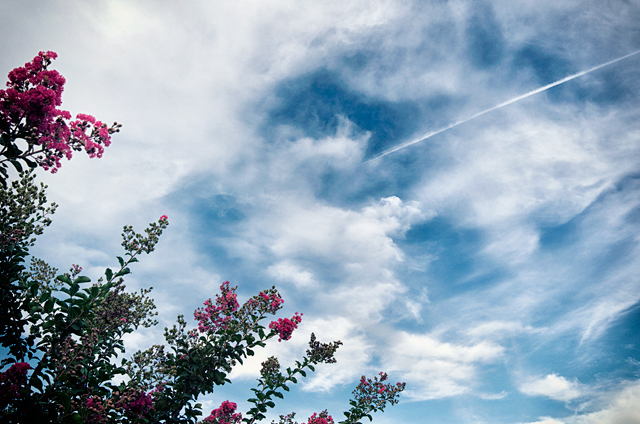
[28, 110]
[322, 418]
[225, 414]
[273, 301]
[11, 381]
[212, 317]
[140, 406]
[285, 326]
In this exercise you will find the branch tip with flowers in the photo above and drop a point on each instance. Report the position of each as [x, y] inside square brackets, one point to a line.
[29, 112]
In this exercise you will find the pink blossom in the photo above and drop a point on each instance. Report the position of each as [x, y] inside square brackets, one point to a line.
[322, 418]
[140, 406]
[11, 381]
[28, 110]
[285, 326]
[212, 317]
[225, 414]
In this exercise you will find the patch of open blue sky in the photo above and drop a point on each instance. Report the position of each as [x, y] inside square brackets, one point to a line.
[493, 266]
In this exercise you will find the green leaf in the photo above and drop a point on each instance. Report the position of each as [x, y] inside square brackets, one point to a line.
[48, 307]
[278, 394]
[29, 162]
[65, 400]
[270, 404]
[285, 387]
[108, 273]
[122, 272]
[304, 374]
[120, 261]
[16, 165]
[64, 279]
[82, 279]
[94, 291]
[104, 289]
[36, 383]
[44, 296]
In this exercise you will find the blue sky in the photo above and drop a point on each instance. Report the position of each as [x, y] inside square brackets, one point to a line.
[493, 266]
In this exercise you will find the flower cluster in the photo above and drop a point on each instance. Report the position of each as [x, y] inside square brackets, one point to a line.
[212, 317]
[11, 381]
[322, 418]
[135, 243]
[137, 403]
[285, 326]
[322, 352]
[224, 415]
[270, 367]
[273, 300]
[374, 394]
[28, 111]
[94, 409]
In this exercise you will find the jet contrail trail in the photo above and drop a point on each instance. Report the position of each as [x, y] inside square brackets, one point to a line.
[501, 105]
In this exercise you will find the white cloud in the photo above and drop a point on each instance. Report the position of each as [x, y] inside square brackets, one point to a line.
[547, 420]
[435, 369]
[289, 272]
[553, 386]
[622, 408]
[493, 396]
[500, 329]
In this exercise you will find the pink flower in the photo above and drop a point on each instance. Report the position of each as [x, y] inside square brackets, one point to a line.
[140, 406]
[212, 317]
[322, 418]
[29, 107]
[11, 381]
[164, 218]
[285, 326]
[224, 415]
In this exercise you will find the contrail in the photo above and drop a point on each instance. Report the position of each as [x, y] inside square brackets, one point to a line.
[501, 105]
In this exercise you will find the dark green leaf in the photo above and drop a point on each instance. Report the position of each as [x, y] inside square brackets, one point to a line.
[36, 383]
[108, 273]
[64, 279]
[48, 307]
[122, 272]
[120, 261]
[16, 165]
[65, 399]
[82, 279]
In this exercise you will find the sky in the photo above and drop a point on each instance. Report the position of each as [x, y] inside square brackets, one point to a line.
[492, 266]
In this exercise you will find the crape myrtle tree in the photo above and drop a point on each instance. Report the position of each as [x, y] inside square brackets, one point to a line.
[61, 335]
